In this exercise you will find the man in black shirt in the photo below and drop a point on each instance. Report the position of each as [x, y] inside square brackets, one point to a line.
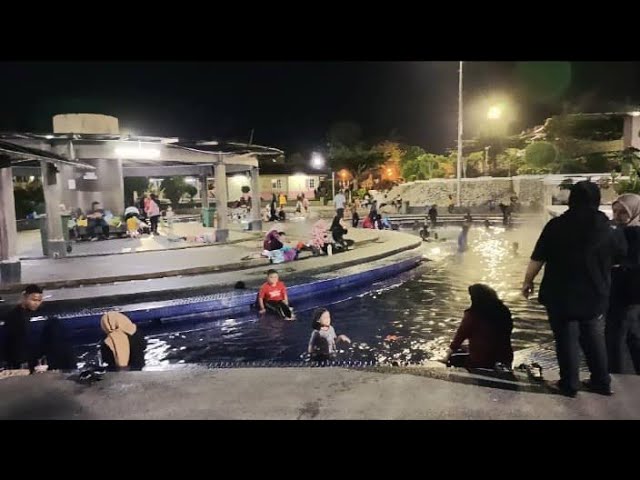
[578, 249]
[19, 347]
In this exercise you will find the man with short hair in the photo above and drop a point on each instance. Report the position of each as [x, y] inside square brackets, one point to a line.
[19, 348]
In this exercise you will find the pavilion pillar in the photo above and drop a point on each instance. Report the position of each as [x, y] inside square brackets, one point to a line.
[256, 217]
[52, 186]
[9, 262]
[222, 231]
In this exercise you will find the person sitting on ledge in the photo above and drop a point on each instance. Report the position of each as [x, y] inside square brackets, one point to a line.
[338, 230]
[487, 324]
[272, 241]
[19, 348]
[320, 241]
[123, 348]
[96, 220]
[273, 297]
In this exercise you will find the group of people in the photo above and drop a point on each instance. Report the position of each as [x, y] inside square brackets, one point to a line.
[25, 348]
[96, 221]
[274, 211]
[590, 288]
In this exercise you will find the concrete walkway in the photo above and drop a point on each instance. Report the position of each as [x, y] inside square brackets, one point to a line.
[297, 393]
[118, 267]
[213, 267]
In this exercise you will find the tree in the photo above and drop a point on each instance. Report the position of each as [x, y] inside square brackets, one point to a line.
[425, 166]
[134, 184]
[356, 159]
[191, 192]
[245, 189]
[473, 165]
[540, 154]
[174, 189]
[411, 153]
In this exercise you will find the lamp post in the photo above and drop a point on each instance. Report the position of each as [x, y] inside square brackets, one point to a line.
[459, 166]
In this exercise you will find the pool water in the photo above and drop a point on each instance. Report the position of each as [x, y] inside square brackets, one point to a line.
[409, 318]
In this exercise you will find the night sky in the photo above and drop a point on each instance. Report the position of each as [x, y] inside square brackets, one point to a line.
[292, 105]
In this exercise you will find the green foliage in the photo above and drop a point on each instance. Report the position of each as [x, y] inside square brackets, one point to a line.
[424, 167]
[134, 184]
[175, 188]
[540, 154]
[585, 128]
[29, 199]
[245, 189]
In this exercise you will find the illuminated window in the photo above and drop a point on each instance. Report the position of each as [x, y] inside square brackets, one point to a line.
[276, 184]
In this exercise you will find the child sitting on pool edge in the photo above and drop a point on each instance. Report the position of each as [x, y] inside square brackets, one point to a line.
[273, 297]
[322, 344]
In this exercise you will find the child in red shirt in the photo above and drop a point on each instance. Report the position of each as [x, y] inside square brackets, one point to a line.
[273, 297]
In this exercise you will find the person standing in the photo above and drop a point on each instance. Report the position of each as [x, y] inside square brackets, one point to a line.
[623, 321]
[273, 208]
[355, 218]
[433, 215]
[577, 249]
[339, 202]
[305, 204]
[153, 212]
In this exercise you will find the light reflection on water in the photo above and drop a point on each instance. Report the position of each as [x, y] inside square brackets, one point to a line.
[412, 321]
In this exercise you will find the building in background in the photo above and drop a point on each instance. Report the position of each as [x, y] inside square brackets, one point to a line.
[292, 181]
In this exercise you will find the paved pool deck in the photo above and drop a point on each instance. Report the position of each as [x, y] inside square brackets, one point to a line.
[299, 394]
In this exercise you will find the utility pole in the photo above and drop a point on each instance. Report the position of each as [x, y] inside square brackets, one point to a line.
[459, 169]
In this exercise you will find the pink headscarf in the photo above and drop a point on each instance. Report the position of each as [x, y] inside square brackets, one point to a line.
[319, 234]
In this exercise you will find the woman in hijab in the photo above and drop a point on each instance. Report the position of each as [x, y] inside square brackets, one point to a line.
[623, 320]
[338, 230]
[319, 237]
[487, 324]
[272, 241]
[123, 348]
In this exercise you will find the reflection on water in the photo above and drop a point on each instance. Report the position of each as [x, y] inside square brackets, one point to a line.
[412, 321]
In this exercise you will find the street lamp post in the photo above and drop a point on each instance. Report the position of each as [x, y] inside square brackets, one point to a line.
[459, 169]
[486, 159]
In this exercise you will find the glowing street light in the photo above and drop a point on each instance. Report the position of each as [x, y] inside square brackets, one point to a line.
[495, 112]
[317, 160]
